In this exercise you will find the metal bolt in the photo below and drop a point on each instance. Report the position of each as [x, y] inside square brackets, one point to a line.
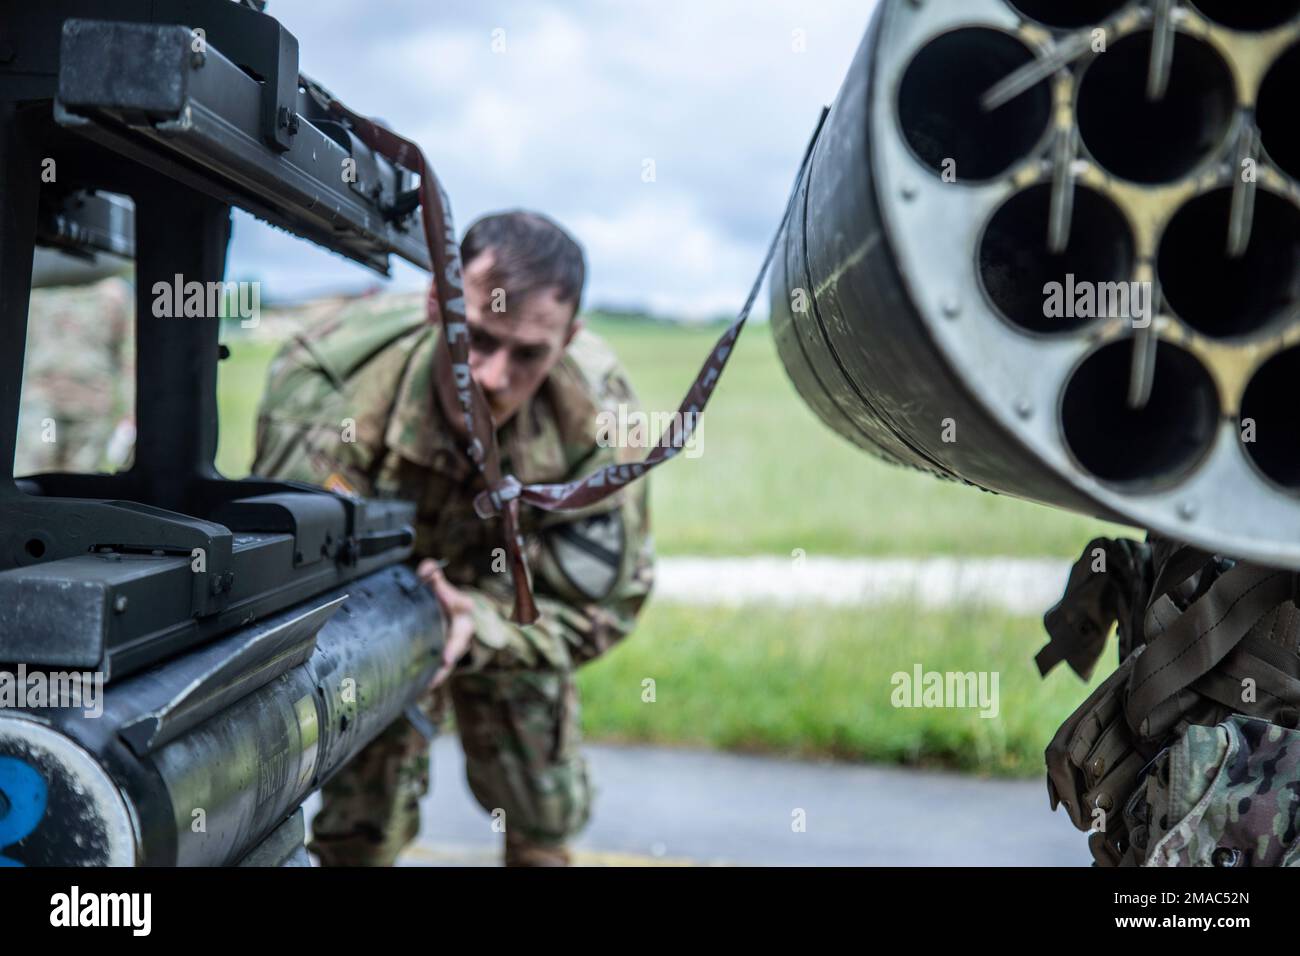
[909, 191]
[1024, 407]
[1186, 510]
[951, 306]
[119, 604]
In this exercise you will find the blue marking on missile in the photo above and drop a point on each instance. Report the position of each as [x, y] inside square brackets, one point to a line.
[23, 796]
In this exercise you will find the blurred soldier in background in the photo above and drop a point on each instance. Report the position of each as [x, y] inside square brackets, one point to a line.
[78, 398]
[357, 404]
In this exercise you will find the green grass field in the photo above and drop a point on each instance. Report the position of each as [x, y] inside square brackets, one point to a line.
[817, 682]
[771, 478]
[762, 452]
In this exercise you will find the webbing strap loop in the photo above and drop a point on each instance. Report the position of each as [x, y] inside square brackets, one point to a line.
[1197, 640]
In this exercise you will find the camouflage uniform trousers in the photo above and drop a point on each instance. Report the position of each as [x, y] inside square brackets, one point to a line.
[520, 731]
[79, 445]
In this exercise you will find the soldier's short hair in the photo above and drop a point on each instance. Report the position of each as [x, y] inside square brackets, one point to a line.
[531, 253]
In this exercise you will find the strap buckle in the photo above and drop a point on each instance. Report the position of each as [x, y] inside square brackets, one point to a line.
[493, 501]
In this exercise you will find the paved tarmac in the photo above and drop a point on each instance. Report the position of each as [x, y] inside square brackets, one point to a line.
[658, 806]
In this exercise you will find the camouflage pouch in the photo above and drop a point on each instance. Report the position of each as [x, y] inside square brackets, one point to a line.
[1227, 795]
[1092, 767]
[1197, 711]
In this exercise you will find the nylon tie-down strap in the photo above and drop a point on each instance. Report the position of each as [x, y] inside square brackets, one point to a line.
[1194, 643]
[447, 305]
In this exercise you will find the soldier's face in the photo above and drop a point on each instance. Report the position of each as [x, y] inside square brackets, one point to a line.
[513, 345]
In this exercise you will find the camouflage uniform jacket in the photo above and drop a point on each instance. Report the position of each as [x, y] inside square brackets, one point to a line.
[350, 404]
[80, 352]
[79, 372]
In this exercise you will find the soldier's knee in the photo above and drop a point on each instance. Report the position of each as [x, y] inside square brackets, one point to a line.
[520, 734]
[364, 831]
[370, 810]
[545, 805]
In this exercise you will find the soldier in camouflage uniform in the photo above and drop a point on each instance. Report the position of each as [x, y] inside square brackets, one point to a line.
[78, 377]
[356, 404]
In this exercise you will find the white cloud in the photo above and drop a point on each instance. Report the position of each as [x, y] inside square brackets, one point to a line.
[674, 255]
[563, 118]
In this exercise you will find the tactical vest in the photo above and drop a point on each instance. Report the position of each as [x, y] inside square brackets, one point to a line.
[1188, 753]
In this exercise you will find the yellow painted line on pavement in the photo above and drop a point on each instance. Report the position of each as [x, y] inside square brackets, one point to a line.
[424, 855]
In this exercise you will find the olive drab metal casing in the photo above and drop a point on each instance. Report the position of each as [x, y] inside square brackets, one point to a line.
[1052, 249]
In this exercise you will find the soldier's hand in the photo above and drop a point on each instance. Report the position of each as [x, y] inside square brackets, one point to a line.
[457, 608]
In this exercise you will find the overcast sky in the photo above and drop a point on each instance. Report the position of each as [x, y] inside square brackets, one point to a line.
[721, 95]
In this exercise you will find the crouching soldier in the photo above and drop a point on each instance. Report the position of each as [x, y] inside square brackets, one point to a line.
[358, 404]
